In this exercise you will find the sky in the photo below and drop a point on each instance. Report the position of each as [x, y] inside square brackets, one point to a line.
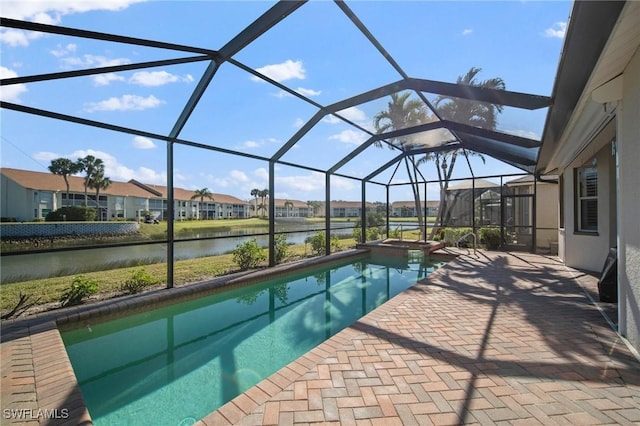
[316, 51]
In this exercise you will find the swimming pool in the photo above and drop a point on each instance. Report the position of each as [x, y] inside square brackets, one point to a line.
[176, 364]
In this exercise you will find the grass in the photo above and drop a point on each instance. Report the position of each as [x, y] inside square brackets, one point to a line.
[49, 290]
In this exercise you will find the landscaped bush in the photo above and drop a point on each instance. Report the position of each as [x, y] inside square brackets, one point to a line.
[318, 244]
[373, 233]
[74, 214]
[138, 280]
[451, 236]
[248, 254]
[281, 247]
[81, 287]
[490, 237]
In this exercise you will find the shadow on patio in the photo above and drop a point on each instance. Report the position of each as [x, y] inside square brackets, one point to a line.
[496, 337]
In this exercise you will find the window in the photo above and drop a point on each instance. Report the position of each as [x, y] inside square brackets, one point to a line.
[587, 199]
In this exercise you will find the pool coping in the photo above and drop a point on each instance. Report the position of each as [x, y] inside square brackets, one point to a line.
[39, 380]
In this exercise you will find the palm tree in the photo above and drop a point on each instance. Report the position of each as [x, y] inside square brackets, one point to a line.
[91, 166]
[202, 194]
[255, 192]
[99, 181]
[465, 111]
[287, 206]
[263, 194]
[401, 113]
[65, 168]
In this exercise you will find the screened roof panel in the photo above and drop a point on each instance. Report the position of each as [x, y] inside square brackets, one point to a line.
[355, 60]
[210, 24]
[369, 157]
[149, 99]
[270, 116]
[334, 74]
[328, 141]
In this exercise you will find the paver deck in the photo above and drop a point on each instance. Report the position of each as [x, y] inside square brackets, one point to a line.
[496, 338]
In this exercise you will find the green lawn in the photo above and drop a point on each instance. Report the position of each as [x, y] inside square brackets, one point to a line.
[109, 282]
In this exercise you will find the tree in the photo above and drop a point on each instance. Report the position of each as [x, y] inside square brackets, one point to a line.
[402, 113]
[263, 194]
[202, 194]
[255, 192]
[465, 111]
[91, 166]
[65, 168]
[288, 205]
[99, 181]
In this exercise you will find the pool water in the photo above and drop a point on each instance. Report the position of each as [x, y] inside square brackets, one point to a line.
[176, 364]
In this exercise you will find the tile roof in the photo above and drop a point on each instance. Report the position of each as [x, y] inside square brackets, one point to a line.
[48, 182]
[400, 204]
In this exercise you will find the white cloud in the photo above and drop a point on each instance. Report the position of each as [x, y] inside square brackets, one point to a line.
[250, 145]
[141, 142]
[112, 167]
[10, 93]
[15, 38]
[157, 78]
[349, 136]
[239, 176]
[92, 61]
[61, 51]
[125, 103]
[106, 79]
[467, 31]
[557, 30]
[298, 123]
[286, 70]
[308, 92]
[304, 92]
[352, 113]
[49, 12]
[262, 174]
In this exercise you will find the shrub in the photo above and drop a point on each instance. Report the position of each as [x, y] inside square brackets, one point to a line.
[451, 236]
[372, 234]
[248, 254]
[80, 288]
[490, 237]
[318, 244]
[138, 280]
[74, 213]
[395, 233]
[281, 247]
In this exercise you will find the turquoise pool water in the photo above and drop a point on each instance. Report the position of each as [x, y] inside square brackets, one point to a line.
[176, 364]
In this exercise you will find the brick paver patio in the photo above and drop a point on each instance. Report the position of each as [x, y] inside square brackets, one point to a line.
[496, 338]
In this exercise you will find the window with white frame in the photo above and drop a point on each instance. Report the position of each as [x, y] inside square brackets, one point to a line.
[587, 199]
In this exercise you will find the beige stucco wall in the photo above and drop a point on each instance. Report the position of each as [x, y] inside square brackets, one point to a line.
[546, 214]
[629, 204]
[17, 202]
[588, 251]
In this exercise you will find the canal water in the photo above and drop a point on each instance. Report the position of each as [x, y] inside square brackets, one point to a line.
[29, 266]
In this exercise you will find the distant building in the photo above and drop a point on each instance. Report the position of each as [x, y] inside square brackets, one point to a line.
[347, 208]
[26, 195]
[292, 208]
[408, 208]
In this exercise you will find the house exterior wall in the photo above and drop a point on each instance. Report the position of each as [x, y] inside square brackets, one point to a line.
[546, 215]
[15, 200]
[589, 250]
[628, 145]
